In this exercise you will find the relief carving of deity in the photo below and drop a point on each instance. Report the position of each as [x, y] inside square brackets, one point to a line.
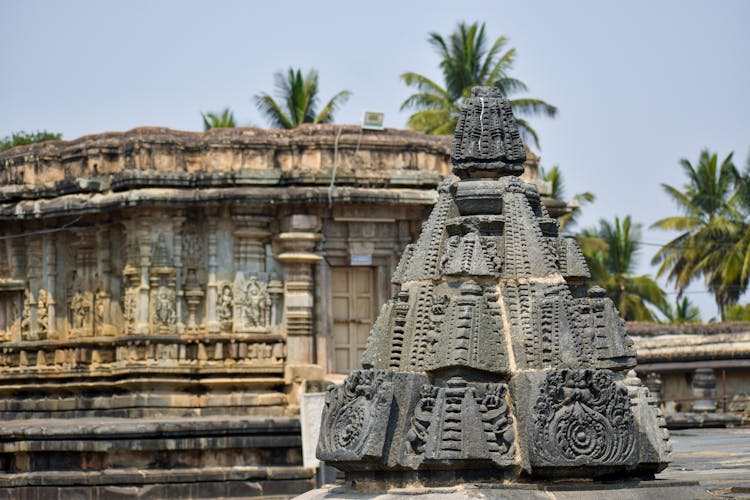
[163, 307]
[26, 314]
[225, 307]
[80, 310]
[42, 313]
[257, 303]
[252, 304]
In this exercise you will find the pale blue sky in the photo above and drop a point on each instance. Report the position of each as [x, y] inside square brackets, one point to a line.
[639, 84]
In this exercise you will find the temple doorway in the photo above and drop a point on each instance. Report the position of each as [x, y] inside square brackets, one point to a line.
[353, 298]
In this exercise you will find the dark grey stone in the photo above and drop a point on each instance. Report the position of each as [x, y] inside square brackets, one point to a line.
[491, 363]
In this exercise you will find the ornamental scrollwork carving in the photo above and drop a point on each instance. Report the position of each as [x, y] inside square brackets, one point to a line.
[416, 437]
[354, 413]
[583, 416]
[498, 423]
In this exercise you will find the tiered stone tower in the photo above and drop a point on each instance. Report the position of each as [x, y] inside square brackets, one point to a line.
[493, 363]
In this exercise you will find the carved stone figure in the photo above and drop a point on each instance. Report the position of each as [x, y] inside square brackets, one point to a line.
[81, 305]
[256, 303]
[130, 305]
[42, 313]
[225, 307]
[252, 304]
[162, 307]
[485, 363]
[26, 314]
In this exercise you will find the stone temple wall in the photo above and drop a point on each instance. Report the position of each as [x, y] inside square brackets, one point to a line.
[185, 280]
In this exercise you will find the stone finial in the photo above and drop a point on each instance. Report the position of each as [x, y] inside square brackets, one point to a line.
[487, 142]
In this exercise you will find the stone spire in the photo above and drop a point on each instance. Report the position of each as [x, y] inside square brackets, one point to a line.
[493, 363]
[486, 142]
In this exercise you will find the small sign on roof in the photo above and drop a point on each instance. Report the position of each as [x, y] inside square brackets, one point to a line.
[373, 120]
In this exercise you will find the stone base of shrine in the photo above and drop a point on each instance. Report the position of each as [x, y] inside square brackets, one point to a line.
[572, 490]
[198, 457]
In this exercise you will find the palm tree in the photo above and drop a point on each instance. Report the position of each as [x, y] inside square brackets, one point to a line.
[610, 251]
[713, 240]
[737, 313]
[466, 62]
[557, 183]
[224, 119]
[683, 311]
[299, 100]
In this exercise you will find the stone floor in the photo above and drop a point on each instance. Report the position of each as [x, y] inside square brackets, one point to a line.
[718, 458]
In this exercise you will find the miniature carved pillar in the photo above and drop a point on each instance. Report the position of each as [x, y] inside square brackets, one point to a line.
[34, 269]
[178, 221]
[654, 383]
[103, 295]
[212, 323]
[297, 255]
[50, 251]
[144, 247]
[17, 258]
[250, 237]
[704, 388]
[4, 258]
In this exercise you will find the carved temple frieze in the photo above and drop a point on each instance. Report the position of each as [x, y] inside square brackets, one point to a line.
[146, 275]
[106, 357]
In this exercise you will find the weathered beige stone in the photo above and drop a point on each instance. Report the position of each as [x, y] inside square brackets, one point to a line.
[158, 274]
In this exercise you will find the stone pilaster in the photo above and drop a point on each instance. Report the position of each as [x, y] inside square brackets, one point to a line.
[50, 259]
[178, 222]
[297, 255]
[18, 259]
[144, 251]
[34, 262]
[103, 296]
[212, 322]
[250, 237]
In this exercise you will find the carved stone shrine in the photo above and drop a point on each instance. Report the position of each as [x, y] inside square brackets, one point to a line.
[493, 363]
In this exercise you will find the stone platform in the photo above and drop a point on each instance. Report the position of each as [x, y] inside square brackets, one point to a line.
[636, 490]
[718, 458]
[119, 458]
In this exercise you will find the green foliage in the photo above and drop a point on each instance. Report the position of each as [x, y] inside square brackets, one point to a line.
[466, 61]
[683, 311]
[298, 100]
[555, 177]
[737, 313]
[610, 251]
[224, 119]
[22, 138]
[714, 239]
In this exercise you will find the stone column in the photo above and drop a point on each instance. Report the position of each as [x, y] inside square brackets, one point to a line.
[296, 253]
[250, 237]
[212, 323]
[103, 295]
[18, 258]
[50, 248]
[654, 383]
[34, 268]
[704, 388]
[178, 222]
[144, 247]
